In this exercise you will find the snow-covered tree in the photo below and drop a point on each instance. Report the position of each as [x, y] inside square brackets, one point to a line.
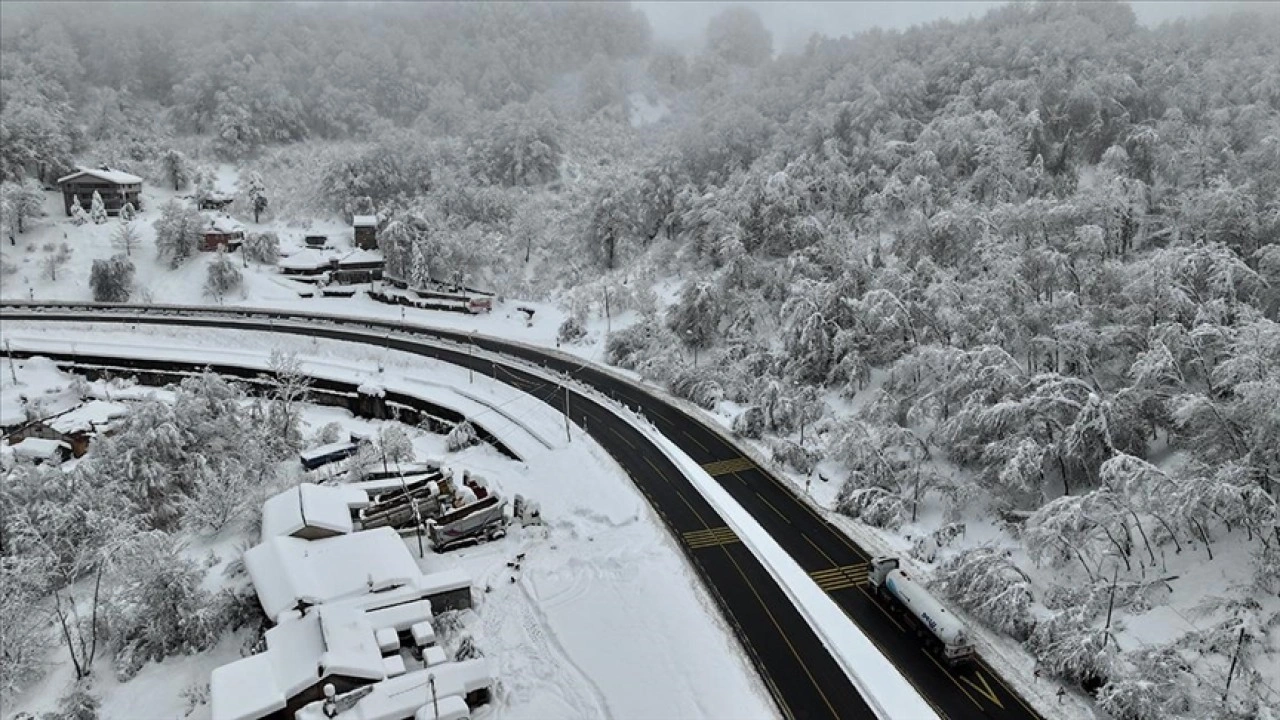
[985, 582]
[97, 211]
[21, 202]
[112, 279]
[737, 35]
[1067, 646]
[223, 276]
[263, 247]
[1155, 683]
[179, 230]
[695, 318]
[257, 192]
[290, 387]
[126, 237]
[78, 215]
[177, 168]
[127, 213]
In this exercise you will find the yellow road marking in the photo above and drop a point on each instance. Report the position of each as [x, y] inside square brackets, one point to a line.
[947, 672]
[621, 437]
[784, 635]
[985, 690]
[724, 467]
[771, 507]
[655, 469]
[695, 441]
[840, 578]
[996, 676]
[712, 537]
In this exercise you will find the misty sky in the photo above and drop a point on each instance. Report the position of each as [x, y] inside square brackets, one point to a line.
[681, 24]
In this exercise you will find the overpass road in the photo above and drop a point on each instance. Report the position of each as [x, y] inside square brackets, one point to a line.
[796, 667]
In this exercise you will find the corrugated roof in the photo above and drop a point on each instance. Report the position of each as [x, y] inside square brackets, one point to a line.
[111, 176]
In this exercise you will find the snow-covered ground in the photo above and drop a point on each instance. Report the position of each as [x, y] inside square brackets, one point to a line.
[603, 618]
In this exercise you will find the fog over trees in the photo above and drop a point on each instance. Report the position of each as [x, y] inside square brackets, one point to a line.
[1047, 237]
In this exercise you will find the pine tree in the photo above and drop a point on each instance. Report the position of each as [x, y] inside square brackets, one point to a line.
[127, 212]
[97, 211]
[257, 195]
[78, 215]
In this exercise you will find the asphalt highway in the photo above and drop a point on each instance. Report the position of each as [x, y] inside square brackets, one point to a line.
[803, 677]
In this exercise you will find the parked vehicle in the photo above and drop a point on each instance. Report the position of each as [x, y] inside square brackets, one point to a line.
[476, 522]
[939, 628]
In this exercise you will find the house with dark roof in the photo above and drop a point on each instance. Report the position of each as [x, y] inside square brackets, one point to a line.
[116, 189]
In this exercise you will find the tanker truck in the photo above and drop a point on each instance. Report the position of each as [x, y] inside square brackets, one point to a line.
[939, 628]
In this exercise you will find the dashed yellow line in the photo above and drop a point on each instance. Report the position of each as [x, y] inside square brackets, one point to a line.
[724, 467]
[710, 537]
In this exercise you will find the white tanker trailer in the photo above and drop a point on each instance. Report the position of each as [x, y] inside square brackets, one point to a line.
[931, 617]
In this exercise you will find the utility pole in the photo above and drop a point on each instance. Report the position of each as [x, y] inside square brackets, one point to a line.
[567, 434]
[1232, 671]
[9, 351]
[1111, 603]
[431, 680]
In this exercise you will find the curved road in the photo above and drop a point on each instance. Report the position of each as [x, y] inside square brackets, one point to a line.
[802, 676]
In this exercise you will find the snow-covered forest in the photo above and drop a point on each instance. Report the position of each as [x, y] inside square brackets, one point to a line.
[1022, 269]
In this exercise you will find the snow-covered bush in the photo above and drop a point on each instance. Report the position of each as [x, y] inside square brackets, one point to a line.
[127, 212]
[462, 436]
[570, 331]
[796, 456]
[263, 248]
[112, 279]
[749, 423]
[22, 620]
[79, 704]
[223, 277]
[647, 347]
[1150, 684]
[698, 385]
[330, 433]
[985, 582]
[874, 506]
[1066, 645]
[162, 610]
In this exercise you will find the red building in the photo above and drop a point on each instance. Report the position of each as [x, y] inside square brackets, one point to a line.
[222, 232]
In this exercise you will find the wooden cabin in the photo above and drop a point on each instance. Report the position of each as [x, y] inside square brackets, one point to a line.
[222, 232]
[114, 187]
[366, 231]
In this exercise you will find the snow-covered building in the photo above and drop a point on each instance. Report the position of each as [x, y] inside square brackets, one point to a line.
[448, 692]
[329, 645]
[221, 231]
[311, 512]
[116, 189]
[41, 450]
[77, 427]
[365, 228]
[368, 570]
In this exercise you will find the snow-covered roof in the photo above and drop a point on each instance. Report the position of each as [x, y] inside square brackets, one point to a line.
[246, 689]
[401, 697]
[364, 221]
[327, 507]
[316, 453]
[111, 176]
[34, 448]
[287, 570]
[223, 225]
[360, 256]
[89, 417]
[308, 259]
[328, 641]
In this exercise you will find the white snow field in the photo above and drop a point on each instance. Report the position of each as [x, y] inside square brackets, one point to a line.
[602, 619]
